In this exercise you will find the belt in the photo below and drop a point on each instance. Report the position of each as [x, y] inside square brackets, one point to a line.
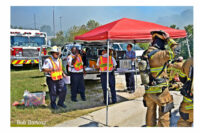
[54, 80]
[76, 72]
[155, 89]
[106, 72]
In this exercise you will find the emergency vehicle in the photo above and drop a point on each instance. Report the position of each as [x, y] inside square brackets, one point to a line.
[26, 46]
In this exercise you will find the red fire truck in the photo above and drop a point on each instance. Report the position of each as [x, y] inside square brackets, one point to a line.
[27, 46]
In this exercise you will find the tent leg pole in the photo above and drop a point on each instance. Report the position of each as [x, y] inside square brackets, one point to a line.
[135, 69]
[107, 82]
[188, 47]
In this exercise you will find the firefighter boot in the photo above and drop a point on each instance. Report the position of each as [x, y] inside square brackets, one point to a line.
[186, 116]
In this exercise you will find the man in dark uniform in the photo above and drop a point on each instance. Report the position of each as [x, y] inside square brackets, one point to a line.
[76, 70]
[102, 65]
[53, 68]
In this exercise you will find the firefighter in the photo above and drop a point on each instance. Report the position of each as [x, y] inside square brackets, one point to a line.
[175, 75]
[76, 71]
[102, 65]
[53, 68]
[156, 90]
[185, 73]
[186, 107]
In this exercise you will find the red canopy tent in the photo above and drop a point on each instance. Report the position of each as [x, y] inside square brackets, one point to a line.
[128, 29]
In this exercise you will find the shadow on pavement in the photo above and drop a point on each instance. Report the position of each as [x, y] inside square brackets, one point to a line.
[92, 123]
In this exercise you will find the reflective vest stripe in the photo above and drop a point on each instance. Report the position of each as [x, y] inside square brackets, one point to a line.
[156, 89]
[170, 42]
[157, 69]
[187, 100]
[171, 54]
[102, 66]
[181, 74]
[189, 107]
[103, 63]
[57, 75]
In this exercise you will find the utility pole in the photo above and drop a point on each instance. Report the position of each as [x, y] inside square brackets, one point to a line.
[53, 24]
[60, 23]
[34, 21]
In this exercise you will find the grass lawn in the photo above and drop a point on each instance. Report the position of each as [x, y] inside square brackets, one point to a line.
[32, 81]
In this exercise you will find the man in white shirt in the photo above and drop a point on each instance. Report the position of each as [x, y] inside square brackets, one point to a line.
[76, 70]
[53, 68]
[102, 65]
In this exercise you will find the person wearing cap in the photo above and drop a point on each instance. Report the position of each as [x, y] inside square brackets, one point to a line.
[77, 71]
[84, 57]
[53, 69]
[102, 65]
[130, 80]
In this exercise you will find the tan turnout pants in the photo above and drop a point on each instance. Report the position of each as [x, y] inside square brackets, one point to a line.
[152, 102]
[189, 121]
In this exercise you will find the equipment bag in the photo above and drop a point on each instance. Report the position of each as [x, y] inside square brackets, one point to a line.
[167, 107]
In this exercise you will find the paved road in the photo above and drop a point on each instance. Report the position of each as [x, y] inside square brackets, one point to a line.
[126, 114]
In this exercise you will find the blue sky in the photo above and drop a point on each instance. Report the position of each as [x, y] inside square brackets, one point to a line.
[78, 15]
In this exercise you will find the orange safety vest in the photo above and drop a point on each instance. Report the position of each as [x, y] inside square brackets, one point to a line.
[78, 65]
[103, 63]
[56, 75]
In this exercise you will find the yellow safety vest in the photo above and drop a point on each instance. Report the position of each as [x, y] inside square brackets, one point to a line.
[103, 63]
[56, 75]
[78, 65]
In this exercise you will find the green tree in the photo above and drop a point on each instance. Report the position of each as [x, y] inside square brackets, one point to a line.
[143, 45]
[174, 26]
[59, 40]
[189, 30]
[182, 41]
[79, 30]
[91, 24]
[75, 31]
